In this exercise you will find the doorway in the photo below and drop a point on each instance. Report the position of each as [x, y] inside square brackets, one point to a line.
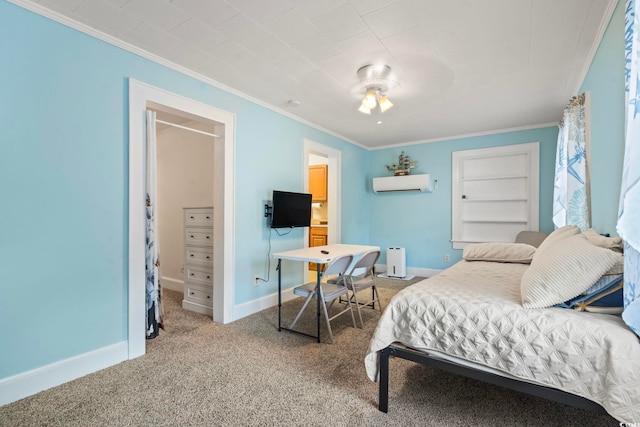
[141, 97]
[184, 186]
[315, 153]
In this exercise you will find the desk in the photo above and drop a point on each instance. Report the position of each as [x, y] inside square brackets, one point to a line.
[314, 254]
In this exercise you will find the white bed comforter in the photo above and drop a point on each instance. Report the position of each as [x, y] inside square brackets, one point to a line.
[473, 311]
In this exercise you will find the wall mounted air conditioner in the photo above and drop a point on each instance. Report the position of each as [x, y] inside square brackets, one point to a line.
[386, 184]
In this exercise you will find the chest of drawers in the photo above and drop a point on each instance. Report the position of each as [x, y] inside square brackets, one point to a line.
[198, 260]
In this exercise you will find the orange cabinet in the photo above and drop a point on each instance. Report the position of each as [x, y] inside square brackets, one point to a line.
[317, 237]
[318, 183]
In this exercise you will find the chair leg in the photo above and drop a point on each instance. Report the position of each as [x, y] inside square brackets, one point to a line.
[326, 316]
[353, 318]
[355, 298]
[302, 309]
[375, 289]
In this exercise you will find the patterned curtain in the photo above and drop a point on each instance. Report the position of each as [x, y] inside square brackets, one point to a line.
[153, 290]
[628, 224]
[571, 195]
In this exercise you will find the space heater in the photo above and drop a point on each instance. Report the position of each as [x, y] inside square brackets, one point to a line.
[396, 262]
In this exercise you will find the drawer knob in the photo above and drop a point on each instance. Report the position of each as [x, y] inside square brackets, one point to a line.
[193, 274]
[207, 217]
[208, 277]
[190, 293]
[208, 237]
[208, 257]
[208, 297]
[191, 255]
[192, 236]
[192, 217]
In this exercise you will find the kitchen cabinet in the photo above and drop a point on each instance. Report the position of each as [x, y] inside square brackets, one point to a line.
[317, 237]
[318, 183]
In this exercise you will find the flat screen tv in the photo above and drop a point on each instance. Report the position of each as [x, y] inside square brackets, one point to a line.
[290, 209]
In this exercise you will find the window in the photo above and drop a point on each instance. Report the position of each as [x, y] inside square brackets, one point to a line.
[494, 193]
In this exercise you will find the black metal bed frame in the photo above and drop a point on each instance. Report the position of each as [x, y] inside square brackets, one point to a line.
[513, 384]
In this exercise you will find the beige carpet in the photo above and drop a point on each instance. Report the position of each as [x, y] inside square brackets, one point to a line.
[197, 373]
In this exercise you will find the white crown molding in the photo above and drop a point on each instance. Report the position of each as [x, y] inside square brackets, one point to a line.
[470, 135]
[604, 24]
[72, 23]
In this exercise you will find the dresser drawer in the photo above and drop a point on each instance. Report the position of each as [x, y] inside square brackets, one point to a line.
[195, 255]
[199, 294]
[198, 217]
[200, 275]
[198, 236]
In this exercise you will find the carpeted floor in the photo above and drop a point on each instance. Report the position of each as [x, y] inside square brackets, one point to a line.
[197, 373]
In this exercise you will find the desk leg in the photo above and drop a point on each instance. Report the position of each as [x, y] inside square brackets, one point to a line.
[318, 297]
[279, 295]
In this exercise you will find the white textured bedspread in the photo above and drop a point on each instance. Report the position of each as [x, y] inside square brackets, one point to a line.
[473, 311]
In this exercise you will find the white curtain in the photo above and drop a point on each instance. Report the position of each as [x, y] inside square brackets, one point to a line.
[571, 187]
[153, 290]
[628, 223]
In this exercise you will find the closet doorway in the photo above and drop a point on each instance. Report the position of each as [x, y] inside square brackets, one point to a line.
[185, 177]
[141, 98]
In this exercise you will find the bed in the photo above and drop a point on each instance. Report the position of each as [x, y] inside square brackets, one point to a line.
[478, 319]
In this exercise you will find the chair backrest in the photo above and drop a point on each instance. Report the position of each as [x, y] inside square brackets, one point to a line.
[338, 267]
[366, 261]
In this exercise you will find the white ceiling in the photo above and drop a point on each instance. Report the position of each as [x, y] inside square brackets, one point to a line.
[464, 66]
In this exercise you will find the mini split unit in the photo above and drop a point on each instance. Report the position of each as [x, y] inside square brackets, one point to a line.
[387, 184]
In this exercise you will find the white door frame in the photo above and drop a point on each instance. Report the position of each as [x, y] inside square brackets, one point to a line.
[334, 161]
[141, 96]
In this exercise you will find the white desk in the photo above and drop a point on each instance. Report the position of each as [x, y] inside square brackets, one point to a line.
[315, 254]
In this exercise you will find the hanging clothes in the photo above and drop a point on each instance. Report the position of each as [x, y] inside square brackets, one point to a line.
[152, 258]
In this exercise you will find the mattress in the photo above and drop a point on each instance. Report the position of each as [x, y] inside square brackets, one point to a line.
[472, 311]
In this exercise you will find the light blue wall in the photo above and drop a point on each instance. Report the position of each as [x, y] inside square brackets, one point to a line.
[605, 82]
[64, 186]
[421, 222]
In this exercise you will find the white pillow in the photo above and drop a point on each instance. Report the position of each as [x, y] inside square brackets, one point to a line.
[563, 271]
[613, 243]
[557, 235]
[499, 252]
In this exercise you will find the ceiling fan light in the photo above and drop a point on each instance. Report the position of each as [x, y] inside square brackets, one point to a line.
[370, 101]
[363, 109]
[385, 104]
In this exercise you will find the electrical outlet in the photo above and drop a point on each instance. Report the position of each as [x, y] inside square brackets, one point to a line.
[446, 257]
[256, 280]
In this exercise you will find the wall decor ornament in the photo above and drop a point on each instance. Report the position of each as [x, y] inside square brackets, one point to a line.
[404, 165]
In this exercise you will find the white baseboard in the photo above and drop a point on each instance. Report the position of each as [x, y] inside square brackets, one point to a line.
[414, 271]
[34, 381]
[198, 308]
[172, 284]
[268, 301]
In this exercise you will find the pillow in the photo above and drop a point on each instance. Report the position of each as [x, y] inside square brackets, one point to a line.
[563, 271]
[613, 243]
[609, 299]
[557, 235]
[533, 238]
[614, 274]
[499, 252]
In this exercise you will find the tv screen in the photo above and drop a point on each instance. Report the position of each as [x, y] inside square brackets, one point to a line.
[291, 209]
